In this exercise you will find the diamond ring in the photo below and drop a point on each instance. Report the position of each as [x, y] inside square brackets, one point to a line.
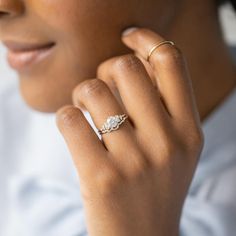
[112, 123]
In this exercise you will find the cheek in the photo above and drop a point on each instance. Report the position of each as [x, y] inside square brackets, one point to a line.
[83, 29]
[86, 32]
[73, 14]
[83, 41]
[56, 14]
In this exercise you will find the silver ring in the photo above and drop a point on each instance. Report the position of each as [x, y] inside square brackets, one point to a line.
[112, 123]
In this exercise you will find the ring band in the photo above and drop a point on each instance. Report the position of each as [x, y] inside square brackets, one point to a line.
[157, 46]
[112, 123]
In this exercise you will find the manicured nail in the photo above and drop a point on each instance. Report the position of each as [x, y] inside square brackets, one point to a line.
[129, 31]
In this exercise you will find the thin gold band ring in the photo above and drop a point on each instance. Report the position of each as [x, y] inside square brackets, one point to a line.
[157, 46]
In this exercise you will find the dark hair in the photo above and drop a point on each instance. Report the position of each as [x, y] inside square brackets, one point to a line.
[233, 2]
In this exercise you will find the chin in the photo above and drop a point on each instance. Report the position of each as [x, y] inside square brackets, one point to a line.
[42, 105]
[44, 100]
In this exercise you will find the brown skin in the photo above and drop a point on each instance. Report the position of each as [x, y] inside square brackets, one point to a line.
[162, 156]
[136, 180]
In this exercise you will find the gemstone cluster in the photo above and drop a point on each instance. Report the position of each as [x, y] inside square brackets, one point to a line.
[112, 123]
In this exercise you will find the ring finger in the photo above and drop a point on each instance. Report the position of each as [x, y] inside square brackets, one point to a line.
[98, 99]
[137, 92]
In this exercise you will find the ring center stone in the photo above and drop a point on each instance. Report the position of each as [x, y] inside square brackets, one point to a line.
[112, 121]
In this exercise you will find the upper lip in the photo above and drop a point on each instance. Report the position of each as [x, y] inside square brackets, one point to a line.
[24, 46]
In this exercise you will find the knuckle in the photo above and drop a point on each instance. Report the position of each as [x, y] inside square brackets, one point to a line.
[197, 140]
[75, 94]
[139, 170]
[103, 68]
[194, 143]
[66, 116]
[108, 181]
[92, 88]
[170, 150]
[104, 73]
[127, 62]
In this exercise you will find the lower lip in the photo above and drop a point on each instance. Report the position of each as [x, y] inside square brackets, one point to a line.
[24, 59]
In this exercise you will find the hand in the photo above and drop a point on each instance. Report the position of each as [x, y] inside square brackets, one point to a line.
[134, 181]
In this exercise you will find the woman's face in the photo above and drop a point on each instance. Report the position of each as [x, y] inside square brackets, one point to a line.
[84, 33]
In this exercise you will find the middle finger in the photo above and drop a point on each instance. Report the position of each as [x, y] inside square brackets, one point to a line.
[139, 96]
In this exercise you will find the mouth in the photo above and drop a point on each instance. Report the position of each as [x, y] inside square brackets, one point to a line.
[21, 56]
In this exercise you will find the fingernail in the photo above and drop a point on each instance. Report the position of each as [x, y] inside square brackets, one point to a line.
[129, 31]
